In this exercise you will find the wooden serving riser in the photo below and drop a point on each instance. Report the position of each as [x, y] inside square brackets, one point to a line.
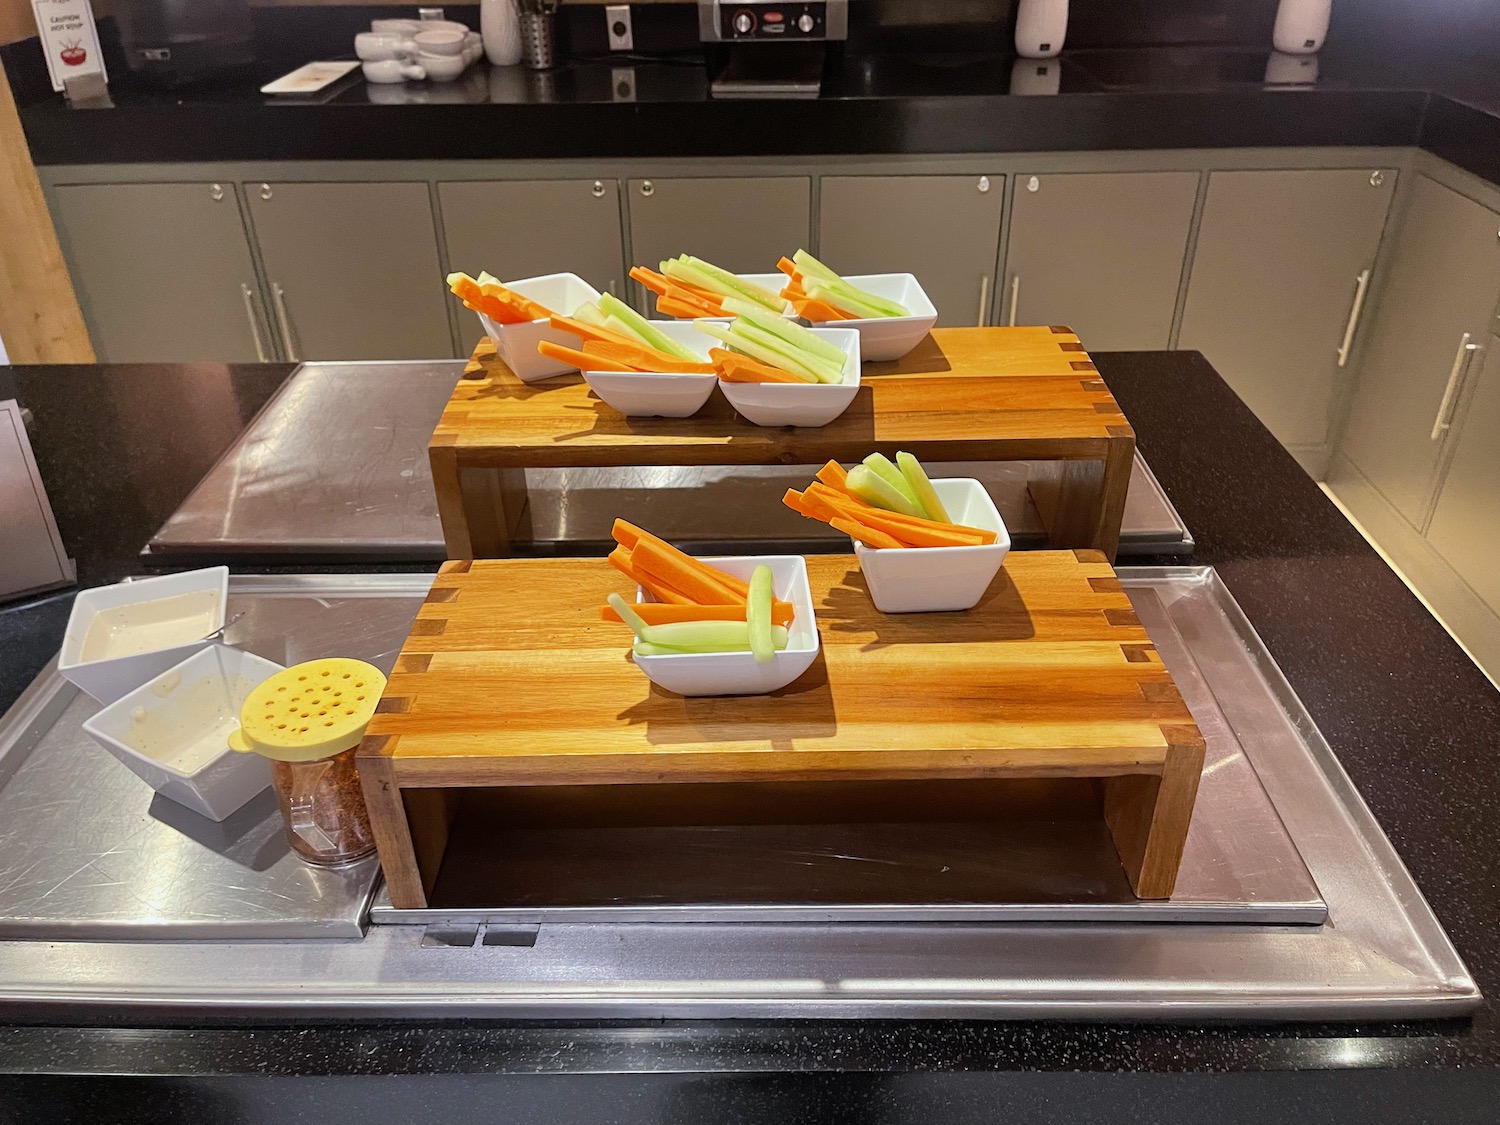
[964, 394]
[511, 681]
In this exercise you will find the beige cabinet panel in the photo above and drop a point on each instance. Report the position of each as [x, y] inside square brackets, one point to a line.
[742, 224]
[353, 269]
[1465, 526]
[525, 228]
[1443, 282]
[943, 229]
[1099, 252]
[163, 271]
[1276, 277]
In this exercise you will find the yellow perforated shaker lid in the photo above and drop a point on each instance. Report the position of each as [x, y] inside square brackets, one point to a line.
[310, 711]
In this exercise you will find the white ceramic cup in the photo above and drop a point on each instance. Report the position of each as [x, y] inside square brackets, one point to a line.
[393, 70]
[441, 68]
[444, 25]
[439, 42]
[374, 46]
[398, 27]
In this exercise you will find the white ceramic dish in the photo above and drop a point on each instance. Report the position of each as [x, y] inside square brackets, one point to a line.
[737, 673]
[378, 46]
[397, 27]
[441, 68]
[890, 337]
[440, 42]
[799, 404]
[516, 343]
[771, 281]
[660, 394]
[190, 606]
[310, 78]
[939, 579]
[173, 731]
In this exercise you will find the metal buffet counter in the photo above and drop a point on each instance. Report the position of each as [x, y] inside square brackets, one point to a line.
[1291, 902]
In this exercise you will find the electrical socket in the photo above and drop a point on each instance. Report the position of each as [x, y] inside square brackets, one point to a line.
[617, 27]
[622, 83]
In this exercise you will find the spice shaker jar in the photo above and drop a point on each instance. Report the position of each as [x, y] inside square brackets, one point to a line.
[309, 720]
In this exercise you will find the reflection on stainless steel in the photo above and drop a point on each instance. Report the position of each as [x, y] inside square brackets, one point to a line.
[89, 853]
[1053, 864]
[1380, 954]
[33, 557]
[336, 465]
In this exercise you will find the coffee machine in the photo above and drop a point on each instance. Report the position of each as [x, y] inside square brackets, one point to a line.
[770, 48]
[173, 42]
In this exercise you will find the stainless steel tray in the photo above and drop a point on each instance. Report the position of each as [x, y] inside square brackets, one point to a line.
[1379, 954]
[335, 465]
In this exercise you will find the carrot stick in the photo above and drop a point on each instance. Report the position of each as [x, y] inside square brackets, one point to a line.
[820, 310]
[734, 368]
[902, 526]
[661, 613]
[787, 266]
[798, 503]
[523, 307]
[866, 535]
[834, 476]
[661, 561]
[629, 536]
[588, 332]
[641, 358]
[581, 360]
[655, 282]
[669, 306]
[661, 591]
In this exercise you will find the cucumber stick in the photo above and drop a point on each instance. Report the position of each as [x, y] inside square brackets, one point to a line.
[826, 371]
[644, 330]
[758, 615]
[757, 293]
[836, 291]
[880, 464]
[797, 336]
[779, 640]
[769, 356]
[589, 313]
[916, 479]
[871, 487]
[810, 266]
[637, 625]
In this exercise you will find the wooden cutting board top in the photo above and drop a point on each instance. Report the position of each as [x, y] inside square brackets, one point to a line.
[510, 677]
[1026, 393]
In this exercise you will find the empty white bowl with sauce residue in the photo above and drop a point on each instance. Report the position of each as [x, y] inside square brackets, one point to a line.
[173, 732]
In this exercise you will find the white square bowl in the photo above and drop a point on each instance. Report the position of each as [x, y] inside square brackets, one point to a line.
[775, 282]
[660, 394]
[939, 579]
[890, 337]
[563, 293]
[737, 673]
[800, 404]
[173, 732]
[169, 642]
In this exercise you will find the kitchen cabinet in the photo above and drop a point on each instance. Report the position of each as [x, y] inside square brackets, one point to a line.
[163, 272]
[1438, 297]
[1465, 527]
[943, 229]
[1278, 284]
[743, 224]
[525, 228]
[1099, 252]
[352, 269]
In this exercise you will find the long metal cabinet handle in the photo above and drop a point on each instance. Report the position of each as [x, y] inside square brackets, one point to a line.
[1444, 417]
[1015, 297]
[279, 296]
[260, 346]
[983, 319]
[1361, 287]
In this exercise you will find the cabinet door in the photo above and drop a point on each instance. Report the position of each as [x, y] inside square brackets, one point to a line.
[353, 270]
[163, 271]
[1465, 526]
[741, 224]
[943, 229]
[1275, 279]
[1101, 253]
[519, 229]
[1443, 282]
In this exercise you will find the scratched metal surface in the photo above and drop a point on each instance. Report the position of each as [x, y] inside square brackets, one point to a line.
[89, 852]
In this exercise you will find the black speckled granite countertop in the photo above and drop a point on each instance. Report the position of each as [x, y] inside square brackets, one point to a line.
[1408, 715]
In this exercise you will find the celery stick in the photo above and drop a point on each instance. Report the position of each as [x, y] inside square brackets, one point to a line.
[644, 329]
[758, 615]
[588, 313]
[869, 486]
[927, 496]
[825, 371]
[725, 284]
[799, 337]
[757, 293]
[637, 624]
[881, 464]
[755, 351]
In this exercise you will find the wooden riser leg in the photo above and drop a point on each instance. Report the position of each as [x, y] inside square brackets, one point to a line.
[482, 510]
[1148, 816]
[1082, 503]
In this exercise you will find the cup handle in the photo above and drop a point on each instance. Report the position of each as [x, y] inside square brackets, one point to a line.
[305, 778]
[237, 742]
[414, 72]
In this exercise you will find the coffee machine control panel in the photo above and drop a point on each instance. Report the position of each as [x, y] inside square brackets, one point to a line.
[766, 21]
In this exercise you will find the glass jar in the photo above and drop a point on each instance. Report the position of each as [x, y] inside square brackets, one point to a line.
[324, 808]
